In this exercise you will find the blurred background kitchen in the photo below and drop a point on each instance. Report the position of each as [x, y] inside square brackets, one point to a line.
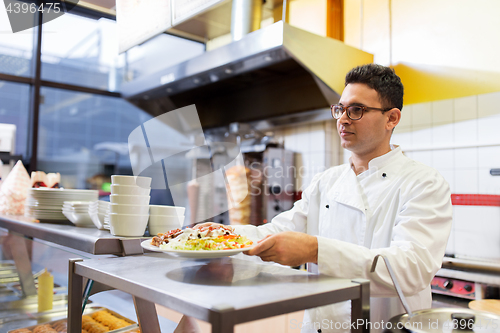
[75, 116]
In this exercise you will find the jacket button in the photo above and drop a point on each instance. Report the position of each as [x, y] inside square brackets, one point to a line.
[384, 175]
[327, 206]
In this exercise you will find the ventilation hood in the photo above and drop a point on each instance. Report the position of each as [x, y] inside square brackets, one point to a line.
[275, 71]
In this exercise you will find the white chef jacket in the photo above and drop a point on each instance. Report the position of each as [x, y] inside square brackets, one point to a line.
[398, 207]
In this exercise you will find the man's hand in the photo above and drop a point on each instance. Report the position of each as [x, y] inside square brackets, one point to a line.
[287, 248]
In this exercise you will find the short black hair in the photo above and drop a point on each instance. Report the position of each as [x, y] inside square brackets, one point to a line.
[381, 79]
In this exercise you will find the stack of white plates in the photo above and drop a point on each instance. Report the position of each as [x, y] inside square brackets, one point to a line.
[78, 213]
[45, 204]
[98, 211]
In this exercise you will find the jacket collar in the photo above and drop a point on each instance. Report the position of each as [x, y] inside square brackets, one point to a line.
[349, 191]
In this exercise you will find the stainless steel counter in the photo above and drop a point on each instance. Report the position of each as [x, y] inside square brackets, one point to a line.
[90, 240]
[223, 292]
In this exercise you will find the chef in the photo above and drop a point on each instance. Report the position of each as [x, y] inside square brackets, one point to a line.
[381, 202]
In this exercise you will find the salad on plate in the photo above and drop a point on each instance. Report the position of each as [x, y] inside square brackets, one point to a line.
[208, 238]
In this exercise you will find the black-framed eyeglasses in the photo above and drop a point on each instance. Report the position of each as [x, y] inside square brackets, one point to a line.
[354, 112]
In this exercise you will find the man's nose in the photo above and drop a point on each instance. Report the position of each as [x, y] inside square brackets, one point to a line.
[344, 119]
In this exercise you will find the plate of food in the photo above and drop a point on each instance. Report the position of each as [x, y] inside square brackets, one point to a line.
[214, 241]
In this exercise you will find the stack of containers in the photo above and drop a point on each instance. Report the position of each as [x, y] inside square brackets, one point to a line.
[165, 218]
[98, 211]
[129, 205]
[78, 213]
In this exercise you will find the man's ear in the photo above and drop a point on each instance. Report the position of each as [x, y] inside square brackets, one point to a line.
[393, 118]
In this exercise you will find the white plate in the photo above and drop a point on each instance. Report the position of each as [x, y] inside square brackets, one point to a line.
[200, 254]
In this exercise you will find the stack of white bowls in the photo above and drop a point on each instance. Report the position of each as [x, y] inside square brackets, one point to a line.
[164, 218]
[129, 205]
[98, 211]
[78, 213]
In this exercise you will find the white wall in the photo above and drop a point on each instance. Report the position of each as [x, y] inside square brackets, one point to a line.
[461, 139]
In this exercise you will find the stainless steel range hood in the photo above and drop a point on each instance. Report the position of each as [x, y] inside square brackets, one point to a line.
[275, 71]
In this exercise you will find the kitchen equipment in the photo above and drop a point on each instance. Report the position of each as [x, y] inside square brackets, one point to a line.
[438, 319]
[277, 70]
[271, 169]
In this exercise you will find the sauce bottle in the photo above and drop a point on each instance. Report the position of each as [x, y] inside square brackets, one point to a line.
[45, 291]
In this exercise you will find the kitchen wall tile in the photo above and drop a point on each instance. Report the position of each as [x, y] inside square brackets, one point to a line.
[442, 112]
[476, 244]
[488, 184]
[489, 157]
[329, 160]
[317, 139]
[402, 139]
[466, 181]
[464, 217]
[290, 139]
[421, 115]
[465, 108]
[466, 158]
[465, 132]
[421, 136]
[406, 116]
[488, 104]
[443, 159]
[302, 141]
[450, 246]
[424, 157]
[449, 176]
[488, 128]
[442, 135]
[479, 238]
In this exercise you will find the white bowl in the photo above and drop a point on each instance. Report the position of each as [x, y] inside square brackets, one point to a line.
[161, 228]
[97, 219]
[129, 209]
[166, 210]
[131, 180]
[129, 199]
[79, 219]
[129, 190]
[176, 221]
[128, 224]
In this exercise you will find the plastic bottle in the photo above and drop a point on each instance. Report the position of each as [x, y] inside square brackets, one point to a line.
[45, 291]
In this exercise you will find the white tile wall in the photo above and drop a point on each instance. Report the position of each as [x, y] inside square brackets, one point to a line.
[443, 159]
[406, 117]
[466, 181]
[421, 136]
[442, 112]
[488, 130]
[474, 227]
[422, 114]
[488, 104]
[443, 134]
[466, 158]
[465, 132]
[465, 108]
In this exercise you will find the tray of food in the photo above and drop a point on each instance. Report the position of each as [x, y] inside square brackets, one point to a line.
[95, 320]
